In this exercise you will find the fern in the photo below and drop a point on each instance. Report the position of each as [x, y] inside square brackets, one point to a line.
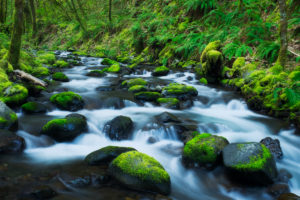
[268, 50]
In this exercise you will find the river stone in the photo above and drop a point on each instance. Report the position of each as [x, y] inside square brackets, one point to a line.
[120, 128]
[204, 150]
[11, 143]
[250, 163]
[139, 171]
[34, 107]
[106, 154]
[8, 118]
[179, 91]
[288, 196]
[66, 129]
[167, 117]
[68, 101]
[274, 146]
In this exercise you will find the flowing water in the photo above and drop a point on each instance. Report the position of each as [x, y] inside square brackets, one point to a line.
[216, 111]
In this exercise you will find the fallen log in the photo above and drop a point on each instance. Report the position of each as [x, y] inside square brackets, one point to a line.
[25, 76]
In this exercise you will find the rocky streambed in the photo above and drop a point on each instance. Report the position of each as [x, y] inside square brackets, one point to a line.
[104, 131]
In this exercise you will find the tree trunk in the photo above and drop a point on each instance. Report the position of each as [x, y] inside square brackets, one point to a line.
[28, 16]
[109, 10]
[73, 7]
[2, 11]
[282, 57]
[33, 15]
[16, 39]
[80, 5]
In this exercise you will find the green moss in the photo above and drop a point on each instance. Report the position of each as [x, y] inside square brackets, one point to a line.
[237, 67]
[64, 99]
[179, 89]
[61, 64]
[96, 73]
[147, 96]
[47, 58]
[54, 123]
[115, 68]
[40, 71]
[203, 81]
[256, 162]
[211, 46]
[294, 76]
[133, 82]
[59, 76]
[30, 106]
[170, 101]
[161, 69]
[107, 61]
[276, 69]
[141, 166]
[137, 88]
[14, 94]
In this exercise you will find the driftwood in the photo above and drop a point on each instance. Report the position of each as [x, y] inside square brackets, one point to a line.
[25, 76]
[293, 52]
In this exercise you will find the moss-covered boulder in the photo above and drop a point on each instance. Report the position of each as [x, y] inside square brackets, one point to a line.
[120, 128]
[172, 103]
[134, 82]
[8, 118]
[250, 163]
[107, 61]
[161, 71]
[139, 171]
[216, 45]
[68, 101]
[106, 155]
[204, 150]
[10, 143]
[65, 129]
[115, 68]
[237, 66]
[14, 95]
[59, 76]
[34, 107]
[179, 91]
[147, 96]
[137, 88]
[96, 73]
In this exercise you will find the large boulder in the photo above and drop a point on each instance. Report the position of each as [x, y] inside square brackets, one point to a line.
[120, 128]
[68, 101]
[65, 129]
[250, 163]
[59, 76]
[274, 146]
[106, 154]
[139, 171]
[34, 107]
[179, 91]
[11, 143]
[8, 118]
[204, 150]
[14, 95]
[161, 71]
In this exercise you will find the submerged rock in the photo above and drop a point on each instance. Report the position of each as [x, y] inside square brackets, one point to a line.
[106, 154]
[34, 107]
[8, 118]
[250, 163]
[274, 146]
[68, 101]
[204, 150]
[65, 129]
[11, 143]
[139, 171]
[120, 128]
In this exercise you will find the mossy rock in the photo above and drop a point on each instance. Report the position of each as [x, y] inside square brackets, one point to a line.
[8, 118]
[139, 171]
[203, 81]
[179, 91]
[61, 64]
[68, 101]
[172, 103]
[115, 68]
[34, 107]
[216, 45]
[40, 71]
[46, 58]
[204, 150]
[137, 88]
[10, 143]
[133, 82]
[96, 73]
[237, 66]
[59, 76]
[213, 67]
[106, 155]
[65, 129]
[147, 96]
[250, 163]
[14, 95]
[107, 61]
[161, 71]
[119, 128]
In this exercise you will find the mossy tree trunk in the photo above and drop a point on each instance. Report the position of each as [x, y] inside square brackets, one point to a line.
[33, 19]
[28, 16]
[282, 57]
[3, 8]
[16, 39]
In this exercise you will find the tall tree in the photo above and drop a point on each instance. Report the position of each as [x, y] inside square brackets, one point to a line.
[16, 38]
[282, 57]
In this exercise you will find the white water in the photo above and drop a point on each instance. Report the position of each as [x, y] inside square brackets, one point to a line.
[232, 120]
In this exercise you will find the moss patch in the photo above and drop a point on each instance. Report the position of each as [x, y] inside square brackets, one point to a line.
[59, 76]
[133, 82]
[68, 101]
[147, 96]
[137, 88]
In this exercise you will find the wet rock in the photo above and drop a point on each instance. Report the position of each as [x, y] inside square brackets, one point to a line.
[166, 117]
[171, 103]
[59, 76]
[106, 154]
[204, 150]
[161, 71]
[65, 129]
[139, 171]
[68, 101]
[186, 104]
[284, 176]
[152, 140]
[34, 107]
[274, 146]
[8, 118]
[250, 163]
[43, 192]
[137, 88]
[11, 143]
[14, 95]
[147, 96]
[179, 91]
[189, 78]
[96, 73]
[120, 128]
[133, 82]
[80, 182]
[288, 196]
[277, 189]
